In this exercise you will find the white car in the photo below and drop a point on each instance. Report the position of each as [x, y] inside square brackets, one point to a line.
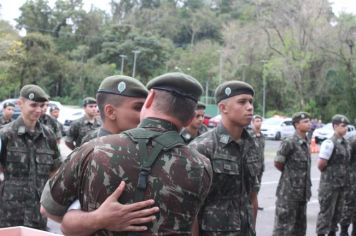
[327, 131]
[277, 128]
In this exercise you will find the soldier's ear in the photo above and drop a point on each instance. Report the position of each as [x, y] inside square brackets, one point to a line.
[150, 98]
[110, 112]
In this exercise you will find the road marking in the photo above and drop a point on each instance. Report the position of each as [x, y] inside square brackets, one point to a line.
[276, 182]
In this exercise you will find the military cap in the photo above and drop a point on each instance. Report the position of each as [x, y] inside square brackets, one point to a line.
[201, 106]
[53, 108]
[257, 117]
[123, 85]
[34, 93]
[232, 88]
[299, 116]
[337, 119]
[89, 100]
[179, 84]
[8, 104]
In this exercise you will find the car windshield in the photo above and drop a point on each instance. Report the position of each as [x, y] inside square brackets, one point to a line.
[328, 126]
[272, 121]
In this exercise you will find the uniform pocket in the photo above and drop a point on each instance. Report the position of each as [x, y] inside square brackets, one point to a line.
[44, 161]
[223, 165]
[17, 162]
[221, 219]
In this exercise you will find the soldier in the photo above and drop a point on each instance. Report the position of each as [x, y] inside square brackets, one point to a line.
[50, 122]
[28, 155]
[257, 135]
[294, 187]
[333, 162]
[79, 128]
[7, 112]
[196, 127]
[349, 210]
[152, 159]
[235, 162]
[54, 113]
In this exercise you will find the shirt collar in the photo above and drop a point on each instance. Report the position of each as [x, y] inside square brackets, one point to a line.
[157, 123]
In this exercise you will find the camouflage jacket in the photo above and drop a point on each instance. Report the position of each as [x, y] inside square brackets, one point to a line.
[179, 180]
[336, 173]
[187, 137]
[294, 183]
[96, 133]
[52, 124]
[235, 169]
[27, 158]
[3, 122]
[79, 128]
[260, 144]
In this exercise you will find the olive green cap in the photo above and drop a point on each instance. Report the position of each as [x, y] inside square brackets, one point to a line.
[8, 104]
[201, 106]
[257, 117]
[232, 88]
[124, 86]
[89, 100]
[34, 93]
[178, 84]
[337, 119]
[300, 116]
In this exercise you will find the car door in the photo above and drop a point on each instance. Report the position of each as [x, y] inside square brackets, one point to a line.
[287, 128]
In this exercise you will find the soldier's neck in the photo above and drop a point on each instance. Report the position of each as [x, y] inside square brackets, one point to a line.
[192, 131]
[233, 129]
[30, 124]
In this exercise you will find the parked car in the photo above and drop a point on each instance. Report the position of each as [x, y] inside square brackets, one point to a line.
[17, 110]
[277, 128]
[68, 114]
[214, 121]
[327, 131]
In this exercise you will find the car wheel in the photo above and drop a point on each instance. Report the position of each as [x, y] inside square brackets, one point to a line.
[278, 136]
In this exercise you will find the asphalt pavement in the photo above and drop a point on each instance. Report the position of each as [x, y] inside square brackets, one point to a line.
[265, 218]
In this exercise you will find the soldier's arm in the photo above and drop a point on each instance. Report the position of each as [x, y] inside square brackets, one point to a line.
[254, 203]
[282, 154]
[72, 134]
[111, 215]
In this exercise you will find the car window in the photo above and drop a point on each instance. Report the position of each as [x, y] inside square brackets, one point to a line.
[288, 123]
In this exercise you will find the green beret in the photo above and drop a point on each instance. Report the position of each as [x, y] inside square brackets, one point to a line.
[257, 117]
[232, 88]
[178, 84]
[201, 106]
[89, 100]
[53, 108]
[337, 119]
[124, 86]
[34, 93]
[299, 116]
[8, 104]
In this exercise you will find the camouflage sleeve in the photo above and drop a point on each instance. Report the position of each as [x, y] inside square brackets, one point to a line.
[199, 145]
[353, 146]
[73, 132]
[283, 151]
[62, 189]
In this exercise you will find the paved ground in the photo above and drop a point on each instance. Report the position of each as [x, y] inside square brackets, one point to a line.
[267, 194]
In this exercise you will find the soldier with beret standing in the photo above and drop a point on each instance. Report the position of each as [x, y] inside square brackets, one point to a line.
[235, 162]
[152, 159]
[50, 122]
[28, 155]
[79, 128]
[196, 127]
[7, 112]
[333, 162]
[294, 187]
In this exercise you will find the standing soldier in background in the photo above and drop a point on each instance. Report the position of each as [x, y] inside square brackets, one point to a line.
[7, 112]
[153, 160]
[333, 162]
[196, 127]
[257, 135]
[54, 113]
[50, 122]
[349, 210]
[79, 128]
[294, 187]
[28, 155]
[235, 162]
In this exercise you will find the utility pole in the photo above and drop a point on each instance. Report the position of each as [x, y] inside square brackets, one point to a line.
[220, 65]
[134, 64]
[122, 62]
[264, 89]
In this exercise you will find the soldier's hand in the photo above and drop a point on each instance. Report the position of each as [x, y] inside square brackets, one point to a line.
[115, 216]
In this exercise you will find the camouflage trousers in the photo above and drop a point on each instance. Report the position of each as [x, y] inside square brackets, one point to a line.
[348, 215]
[290, 218]
[331, 201]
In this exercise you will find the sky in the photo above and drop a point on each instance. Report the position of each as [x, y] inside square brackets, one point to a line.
[10, 8]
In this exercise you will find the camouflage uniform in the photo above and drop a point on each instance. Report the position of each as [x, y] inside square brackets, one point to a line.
[187, 137]
[3, 122]
[27, 159]
[260, 144]
[52, 125]
[179, 180]
[349, 211]
[294, 187]
[96, 133]
[334, 182]
[227, 209]
[79, 128]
